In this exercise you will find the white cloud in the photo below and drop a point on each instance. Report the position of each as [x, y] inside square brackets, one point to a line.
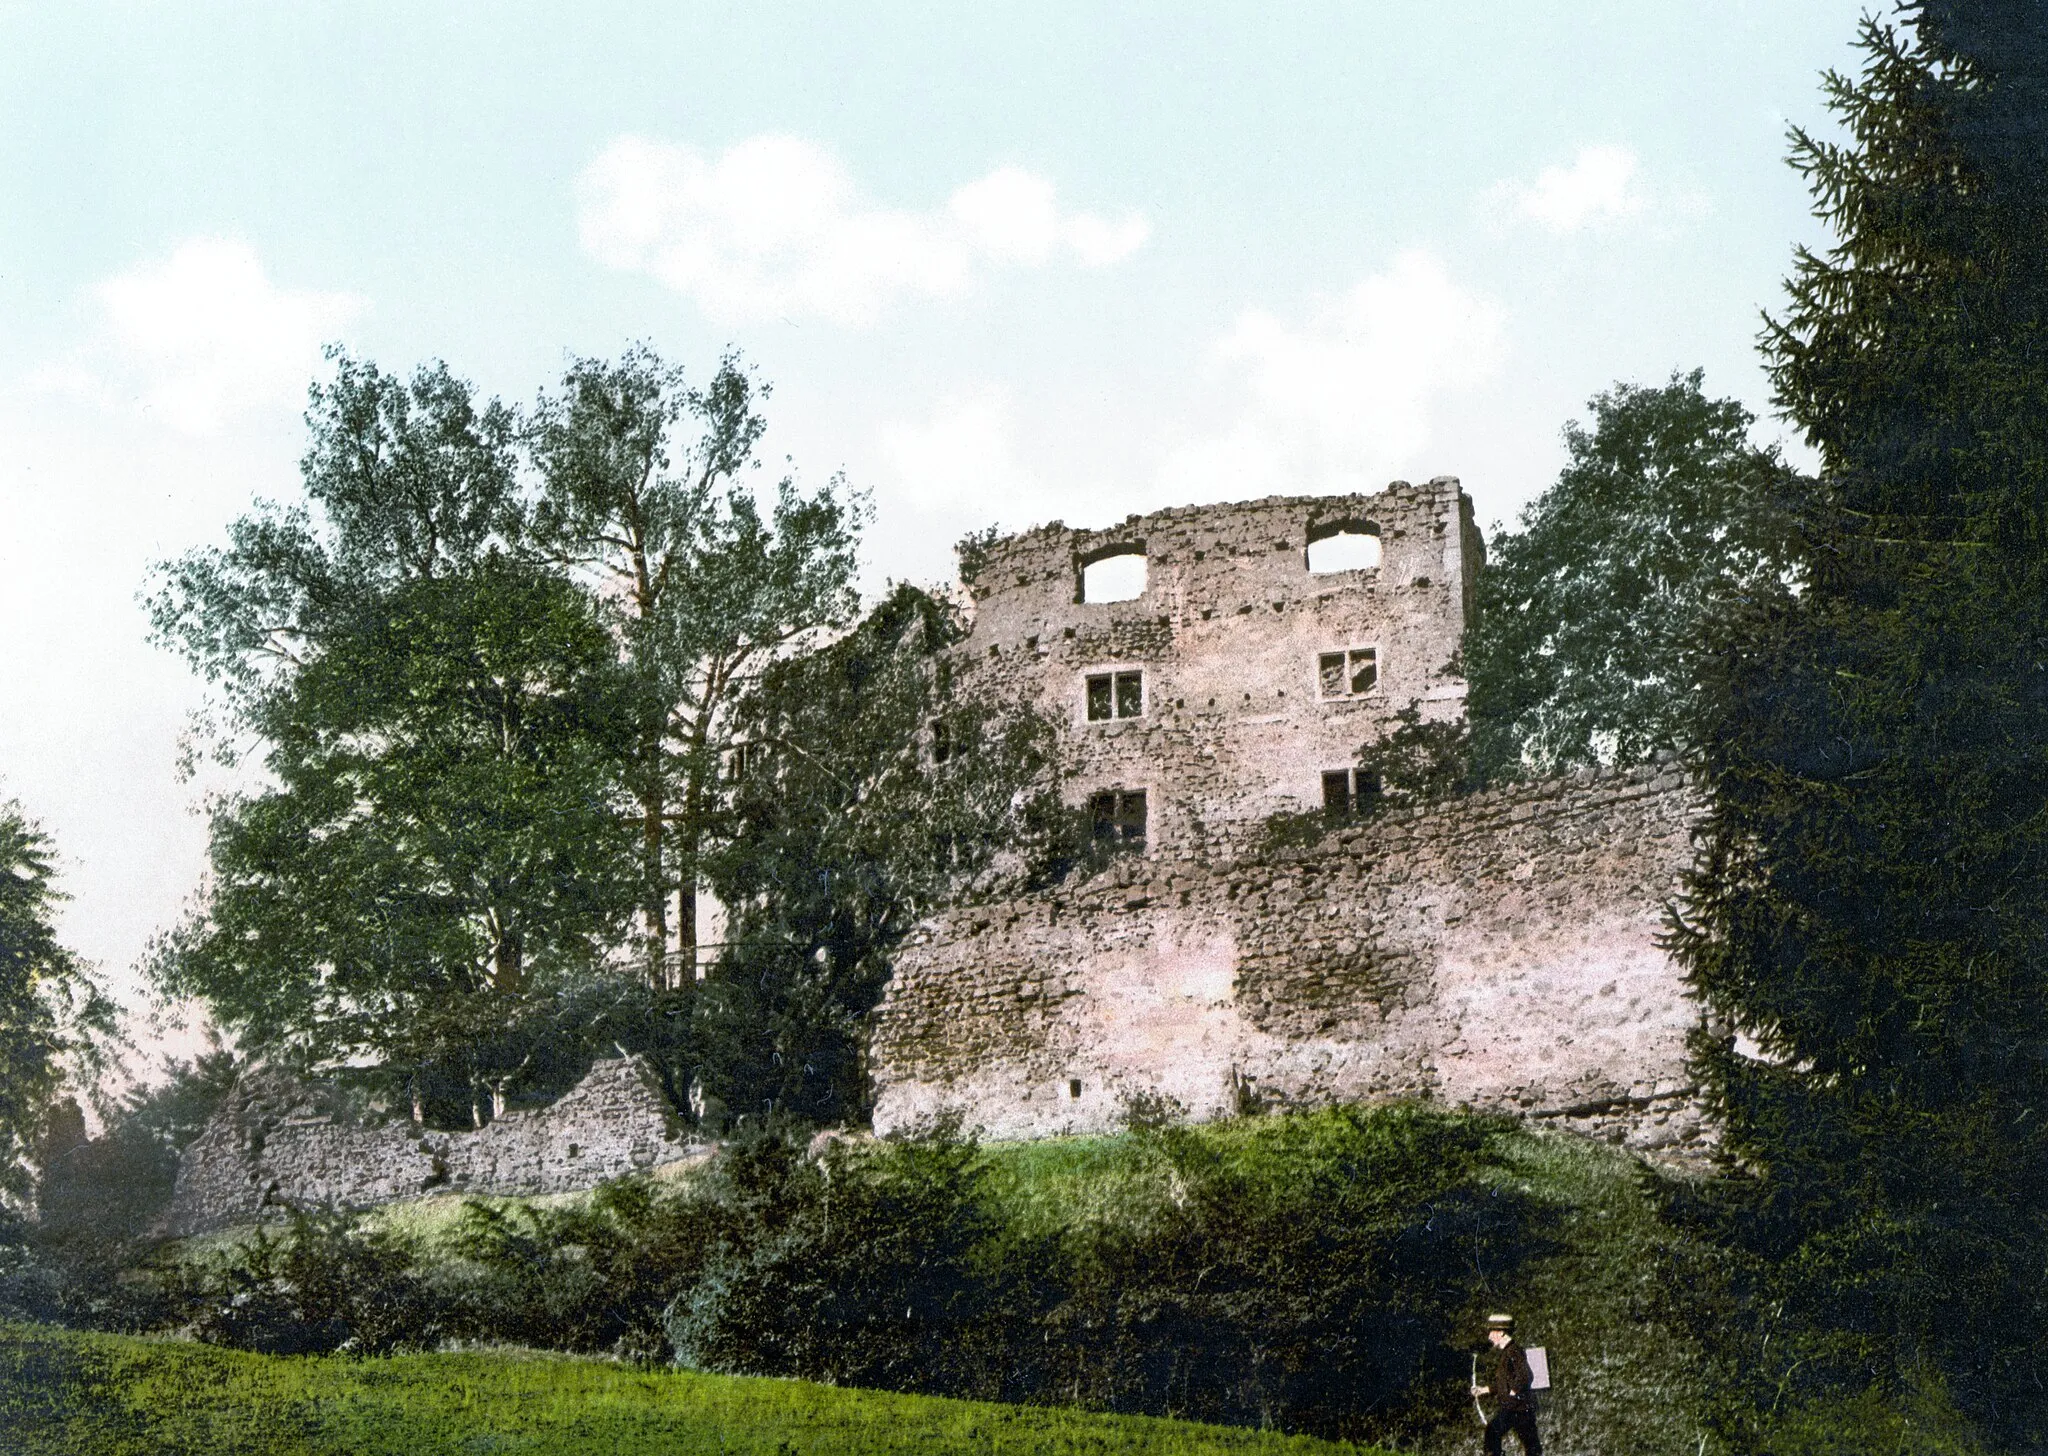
[1601, 185]
[776, 226]
[1344, 399]
[203, 336]
[961, 459]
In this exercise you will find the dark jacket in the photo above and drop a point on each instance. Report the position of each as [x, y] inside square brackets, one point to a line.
[1511, 1378]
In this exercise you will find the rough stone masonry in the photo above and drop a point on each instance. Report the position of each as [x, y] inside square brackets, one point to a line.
[1500, 951]
[272, 1147]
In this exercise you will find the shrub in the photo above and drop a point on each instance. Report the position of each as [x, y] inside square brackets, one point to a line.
[593, 1276]
[865, 1266]
[1312, 1272]
[330, 1282]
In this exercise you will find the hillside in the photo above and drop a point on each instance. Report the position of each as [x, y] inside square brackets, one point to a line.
[63, 1394]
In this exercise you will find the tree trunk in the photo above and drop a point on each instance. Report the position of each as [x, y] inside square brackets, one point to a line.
[654, 908]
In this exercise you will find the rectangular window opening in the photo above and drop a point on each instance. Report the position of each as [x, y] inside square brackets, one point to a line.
[1349, 674]
[1115, 695]
[1074, 1088]
[1117, 817]
[1348, 792]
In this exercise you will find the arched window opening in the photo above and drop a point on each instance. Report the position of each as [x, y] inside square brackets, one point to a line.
[1343, 546]
[1118, 577]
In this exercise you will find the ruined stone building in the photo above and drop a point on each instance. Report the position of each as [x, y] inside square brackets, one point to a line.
[1215, 665]
[1212, 667]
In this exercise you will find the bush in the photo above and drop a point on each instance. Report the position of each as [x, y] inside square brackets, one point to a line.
[867, 1266]
[330, 1282]
[1313, 1272]
[593, 1276]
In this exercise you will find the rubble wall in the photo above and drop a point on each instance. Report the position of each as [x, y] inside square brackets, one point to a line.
[1227, 634]
[1499, 951]
[269, 1149]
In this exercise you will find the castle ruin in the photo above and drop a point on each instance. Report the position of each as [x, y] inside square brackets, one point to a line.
[1499, 951]
[1209, 667]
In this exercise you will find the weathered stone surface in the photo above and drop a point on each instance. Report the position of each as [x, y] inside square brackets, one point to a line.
[1227, 633]
[271, 1148]
[1499, 952]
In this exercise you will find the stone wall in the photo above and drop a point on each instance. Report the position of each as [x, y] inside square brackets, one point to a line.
[1227, 635]
[1499, 952]
[270, 1148]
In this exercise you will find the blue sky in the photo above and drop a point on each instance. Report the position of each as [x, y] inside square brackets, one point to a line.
[1003, 263]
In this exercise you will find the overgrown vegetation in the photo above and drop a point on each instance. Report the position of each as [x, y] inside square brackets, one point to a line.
[1313, 1272]
[62, 1394]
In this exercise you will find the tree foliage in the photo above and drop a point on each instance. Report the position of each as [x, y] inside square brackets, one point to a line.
[1591, 615]
[491, 669]
[434, 861]
[51, 1009]
[1872, 908]
[643, 492]
[871, 789]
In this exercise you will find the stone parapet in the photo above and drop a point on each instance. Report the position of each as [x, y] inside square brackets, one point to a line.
[1500, 951]
[269, 1149]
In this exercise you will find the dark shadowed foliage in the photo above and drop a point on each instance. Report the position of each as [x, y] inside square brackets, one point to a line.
[863, 790]
[1872, 909]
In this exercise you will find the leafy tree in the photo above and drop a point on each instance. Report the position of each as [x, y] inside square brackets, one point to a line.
[644, 492]
[107, 1192]
[434, 863]
[1872, 906]
[51, 1009]
[1587, 645]
[870, 789]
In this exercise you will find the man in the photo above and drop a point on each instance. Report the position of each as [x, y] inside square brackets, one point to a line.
[1511, 1382]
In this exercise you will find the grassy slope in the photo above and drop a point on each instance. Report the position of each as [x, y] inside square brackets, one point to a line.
[110, 1396]
[1624, 1382]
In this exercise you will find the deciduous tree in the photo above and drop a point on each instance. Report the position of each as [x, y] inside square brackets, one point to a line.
[645, 491]
[51, 1008]
[871, 789]
[435, 858]
[1589, 636]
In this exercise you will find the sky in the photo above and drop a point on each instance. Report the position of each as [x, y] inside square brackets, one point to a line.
[1002, 263]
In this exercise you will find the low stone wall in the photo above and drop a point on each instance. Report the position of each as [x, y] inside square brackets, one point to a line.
[269, 1149]
[1499, 952]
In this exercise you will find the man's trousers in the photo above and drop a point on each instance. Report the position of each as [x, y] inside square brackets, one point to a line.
[1522, 1423]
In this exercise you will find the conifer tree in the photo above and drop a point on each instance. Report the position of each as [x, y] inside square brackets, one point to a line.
[1872, 904]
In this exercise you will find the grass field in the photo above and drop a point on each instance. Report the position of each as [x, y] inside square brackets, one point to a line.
[66, 1394]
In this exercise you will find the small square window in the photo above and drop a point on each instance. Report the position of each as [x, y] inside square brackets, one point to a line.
[1348, 792]
[1117, 817]
[1115, 695]
[1349, 674]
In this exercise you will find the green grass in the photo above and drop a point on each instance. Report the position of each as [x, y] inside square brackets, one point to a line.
[1625, 1381]
[105, 1395]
